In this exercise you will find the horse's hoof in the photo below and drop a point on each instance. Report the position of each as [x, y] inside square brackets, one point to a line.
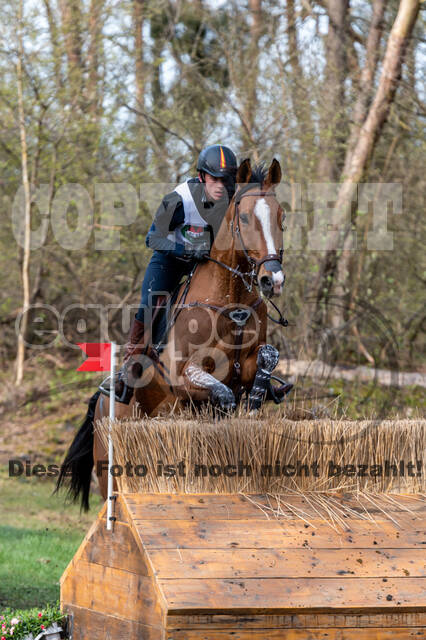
[278, 394]
[223, 398]
[255, 403]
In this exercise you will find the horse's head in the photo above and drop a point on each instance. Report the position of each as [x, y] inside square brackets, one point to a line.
[257, 224]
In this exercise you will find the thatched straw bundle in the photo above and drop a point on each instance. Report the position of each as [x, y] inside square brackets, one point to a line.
[267, 456]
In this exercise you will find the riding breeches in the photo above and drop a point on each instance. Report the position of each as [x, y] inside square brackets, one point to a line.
[162, 275]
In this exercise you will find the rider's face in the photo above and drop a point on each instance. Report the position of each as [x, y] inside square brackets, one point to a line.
[215, 187]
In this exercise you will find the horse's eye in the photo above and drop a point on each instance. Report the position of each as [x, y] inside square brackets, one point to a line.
[244, 218]
[282, 221]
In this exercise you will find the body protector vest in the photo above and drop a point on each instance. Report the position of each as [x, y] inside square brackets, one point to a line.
[194, 230]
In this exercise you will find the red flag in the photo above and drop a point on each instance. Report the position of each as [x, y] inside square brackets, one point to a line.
[99, 356]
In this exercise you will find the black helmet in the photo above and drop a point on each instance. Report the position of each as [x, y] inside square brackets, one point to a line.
[218, 161]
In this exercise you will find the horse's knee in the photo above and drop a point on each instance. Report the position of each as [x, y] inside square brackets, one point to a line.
[267, 357]
[201, 381]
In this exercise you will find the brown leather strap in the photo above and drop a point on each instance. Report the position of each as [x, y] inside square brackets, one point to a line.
[214, 307]
[236, 372]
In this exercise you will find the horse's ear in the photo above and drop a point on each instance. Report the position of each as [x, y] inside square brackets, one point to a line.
[244, 172]
[274, 174]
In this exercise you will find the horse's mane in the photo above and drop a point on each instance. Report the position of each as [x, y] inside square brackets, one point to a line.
[258, 173]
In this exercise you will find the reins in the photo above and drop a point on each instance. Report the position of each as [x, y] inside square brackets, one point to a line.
[239, 315]
[248, 278]
[237, 272]
[255, 264]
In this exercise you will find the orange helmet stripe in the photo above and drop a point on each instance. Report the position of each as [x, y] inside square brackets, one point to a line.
[222, 159]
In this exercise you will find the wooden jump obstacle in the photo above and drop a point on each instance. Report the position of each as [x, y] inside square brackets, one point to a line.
[213, 567]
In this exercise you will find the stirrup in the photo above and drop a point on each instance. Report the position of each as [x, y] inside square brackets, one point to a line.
[277, 394]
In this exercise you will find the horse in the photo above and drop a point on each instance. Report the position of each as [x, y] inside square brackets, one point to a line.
[216, 349]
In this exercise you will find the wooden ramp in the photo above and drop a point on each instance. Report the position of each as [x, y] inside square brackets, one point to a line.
[210, 567]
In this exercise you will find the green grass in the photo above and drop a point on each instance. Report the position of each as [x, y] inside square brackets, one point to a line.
[358, 400]
[38, 537]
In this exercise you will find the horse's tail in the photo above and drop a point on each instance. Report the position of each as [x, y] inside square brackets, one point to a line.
[78, 463]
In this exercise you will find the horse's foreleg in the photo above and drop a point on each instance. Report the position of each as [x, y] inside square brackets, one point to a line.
[202, 386]
[260, 364]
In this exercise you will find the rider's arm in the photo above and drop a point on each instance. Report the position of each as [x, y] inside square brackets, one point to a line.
[168, 216]
[170, 209]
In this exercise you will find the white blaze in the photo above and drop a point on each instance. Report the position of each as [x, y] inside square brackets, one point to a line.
[262, 212]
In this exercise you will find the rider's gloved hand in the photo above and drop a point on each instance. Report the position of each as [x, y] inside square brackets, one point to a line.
[200, 253]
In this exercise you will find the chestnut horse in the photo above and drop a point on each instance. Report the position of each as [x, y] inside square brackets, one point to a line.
[216, 349]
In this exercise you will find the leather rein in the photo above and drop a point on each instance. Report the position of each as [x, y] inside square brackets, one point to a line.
[253, 263]
[239, 316]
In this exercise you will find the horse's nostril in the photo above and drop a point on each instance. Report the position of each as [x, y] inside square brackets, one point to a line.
[266, 282]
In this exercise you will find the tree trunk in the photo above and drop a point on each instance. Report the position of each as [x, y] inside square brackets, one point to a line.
[336, 263]
[54, 38]
[250, 102]
[367, 77]
[333, 120]
[27, 204]
[159, 103]
[300, 99]
[71, 28]
[138, 20]
[93, 57]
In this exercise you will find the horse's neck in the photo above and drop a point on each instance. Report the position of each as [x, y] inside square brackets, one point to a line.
[224, 282]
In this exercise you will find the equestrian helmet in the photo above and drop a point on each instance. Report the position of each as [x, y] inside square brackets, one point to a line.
[218, 161]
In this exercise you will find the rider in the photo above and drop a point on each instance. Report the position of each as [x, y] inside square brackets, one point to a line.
[181, 235]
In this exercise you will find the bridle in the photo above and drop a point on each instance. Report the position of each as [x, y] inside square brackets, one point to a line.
[249, 278]
[254, 264]
[235, 227]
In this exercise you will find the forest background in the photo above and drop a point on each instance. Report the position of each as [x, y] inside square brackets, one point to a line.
[96, 92]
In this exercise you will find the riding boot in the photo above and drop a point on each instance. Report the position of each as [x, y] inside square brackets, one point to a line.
[131, 367]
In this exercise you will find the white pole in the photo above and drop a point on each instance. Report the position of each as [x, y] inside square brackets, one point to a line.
[110, 447]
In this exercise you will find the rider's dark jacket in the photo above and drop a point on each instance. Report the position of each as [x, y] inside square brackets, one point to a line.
[171, 233]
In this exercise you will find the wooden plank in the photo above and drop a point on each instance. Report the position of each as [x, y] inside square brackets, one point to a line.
[270, 534]
[81, 548]
[119, 510]
[296, 621]
[286, 595]
[228, 506]
[88, 624]
[171, 500]
[300, 634]
[112, 591]
[256, 563]
[189, 507]
[117, 549]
